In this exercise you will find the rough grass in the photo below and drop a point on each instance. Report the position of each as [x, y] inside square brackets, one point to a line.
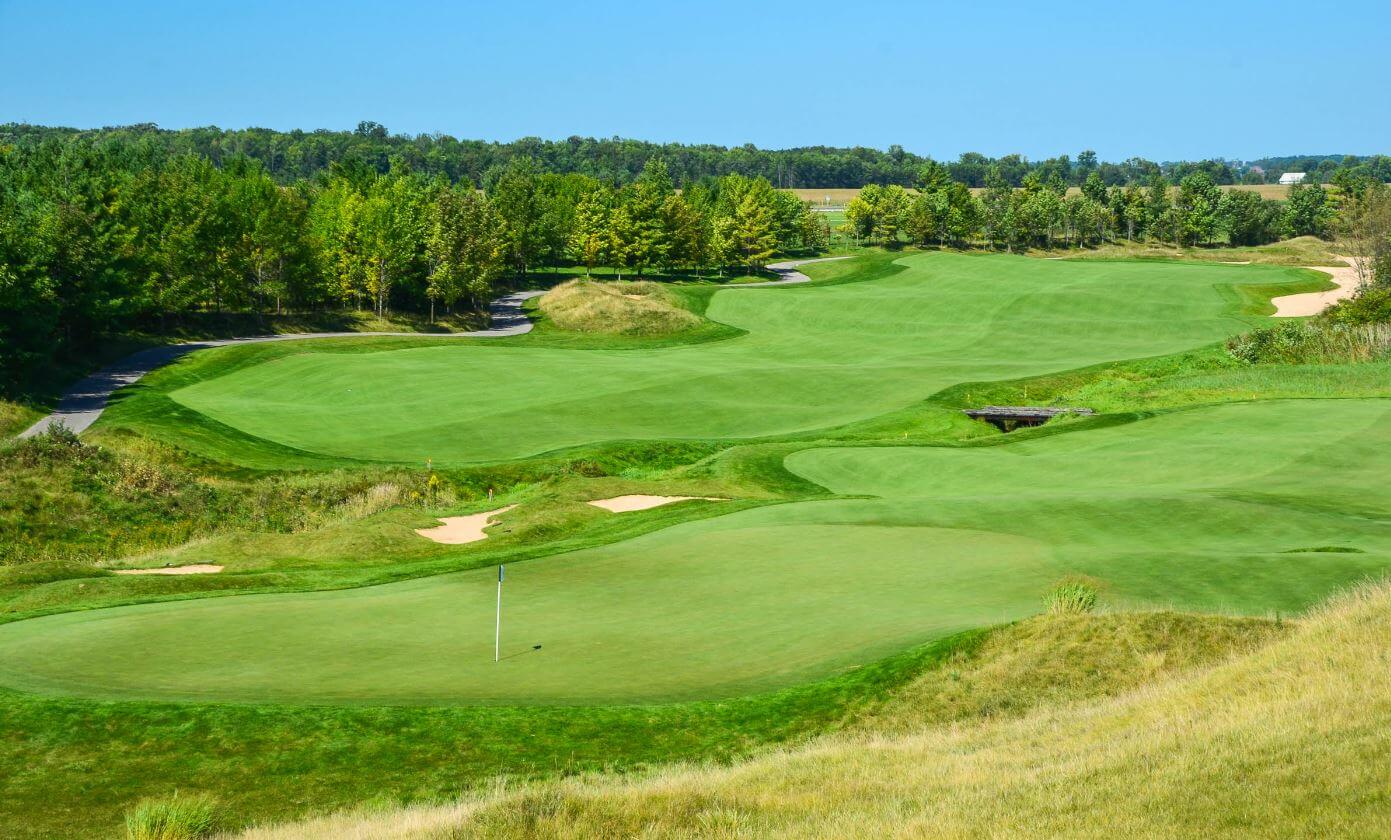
[640, 308]
[176, 817]
[16, 417]
[1300, 251]
[1318, 343]
[1288, 740]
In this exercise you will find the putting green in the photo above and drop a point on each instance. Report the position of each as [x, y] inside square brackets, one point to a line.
[1211, 509]
[813, 357]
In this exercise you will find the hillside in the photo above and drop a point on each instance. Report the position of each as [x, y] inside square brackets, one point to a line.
[1283, 741]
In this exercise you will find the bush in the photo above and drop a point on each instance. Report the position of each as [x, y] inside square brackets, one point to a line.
[1370, 305]
[172, 818]
[1313, 342]
[1071, 597]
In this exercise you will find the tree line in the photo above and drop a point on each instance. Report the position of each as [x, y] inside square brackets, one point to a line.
[289, 156]
[1044, 213]
[97, 239]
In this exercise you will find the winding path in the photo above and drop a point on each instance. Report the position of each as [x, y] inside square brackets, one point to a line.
[84, 402]
[788, 273]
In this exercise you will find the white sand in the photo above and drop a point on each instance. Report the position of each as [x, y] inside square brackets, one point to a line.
[195, 569]
[624, 504]
[458, 530]
[1312, 303]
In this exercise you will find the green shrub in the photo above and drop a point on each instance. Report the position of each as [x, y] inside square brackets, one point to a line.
[1071, 597]
[1313, 342]
[172, 818]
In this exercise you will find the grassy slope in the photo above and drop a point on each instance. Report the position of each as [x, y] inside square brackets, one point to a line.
[960, 537]
[874, 347]
[1287, 741]
[322, 771]
[268, 762]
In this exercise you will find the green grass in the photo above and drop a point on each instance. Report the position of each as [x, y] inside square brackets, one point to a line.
[172, 818]
[1178, 510]
[1286, 741]
[281, 762]
[812, 357]
[817, 613]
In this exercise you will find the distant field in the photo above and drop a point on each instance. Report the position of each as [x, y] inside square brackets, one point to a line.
[839, 197]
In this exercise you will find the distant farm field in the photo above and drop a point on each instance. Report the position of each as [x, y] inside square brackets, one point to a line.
[839, 197]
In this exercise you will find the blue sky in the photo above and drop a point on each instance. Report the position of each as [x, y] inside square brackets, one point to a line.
[1160, 80]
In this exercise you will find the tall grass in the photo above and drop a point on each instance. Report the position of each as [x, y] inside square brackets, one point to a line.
[172, 818]
[621, 308]
[1312, 342]
[1071, 597]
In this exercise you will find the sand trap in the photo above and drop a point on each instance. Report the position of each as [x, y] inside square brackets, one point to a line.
[195, 569]
[625, 504]
[1312, 303]
[458, 530]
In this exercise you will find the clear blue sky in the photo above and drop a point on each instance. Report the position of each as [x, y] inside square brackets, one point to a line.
[1164, 80]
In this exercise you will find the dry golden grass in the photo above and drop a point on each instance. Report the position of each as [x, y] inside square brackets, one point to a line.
[1288, 740]
[616, 308]
[840, 196]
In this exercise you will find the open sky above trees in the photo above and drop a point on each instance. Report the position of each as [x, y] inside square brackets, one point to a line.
[1181, 80]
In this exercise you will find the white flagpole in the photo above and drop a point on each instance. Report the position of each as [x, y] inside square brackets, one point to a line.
[497, 630]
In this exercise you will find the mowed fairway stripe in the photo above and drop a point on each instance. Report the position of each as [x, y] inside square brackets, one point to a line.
[1209, 509]
[813, 357]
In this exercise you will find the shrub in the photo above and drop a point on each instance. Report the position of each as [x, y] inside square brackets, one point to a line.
[1312, 342]
[172, 818]
[1071, 597]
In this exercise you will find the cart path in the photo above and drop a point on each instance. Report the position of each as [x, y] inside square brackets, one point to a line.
[84, 402]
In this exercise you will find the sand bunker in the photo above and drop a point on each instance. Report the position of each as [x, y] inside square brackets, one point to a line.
[195, 569]
[1312, 303]
[624, 504]
[458, 530]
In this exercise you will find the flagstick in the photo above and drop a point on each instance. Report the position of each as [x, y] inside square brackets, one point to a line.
[497, 630]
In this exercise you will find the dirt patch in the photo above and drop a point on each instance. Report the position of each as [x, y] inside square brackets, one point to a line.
[625, 504]
[195, 569]
[1312, 303]
[458, 530]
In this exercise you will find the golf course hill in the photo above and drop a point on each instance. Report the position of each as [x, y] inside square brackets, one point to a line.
[1176, 743]
[764, 574]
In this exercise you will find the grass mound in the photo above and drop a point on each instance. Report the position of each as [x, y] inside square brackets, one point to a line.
[1304, 719]
[618, 308]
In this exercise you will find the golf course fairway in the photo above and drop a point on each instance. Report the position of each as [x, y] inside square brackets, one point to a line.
[813, 357]
[1249, 507]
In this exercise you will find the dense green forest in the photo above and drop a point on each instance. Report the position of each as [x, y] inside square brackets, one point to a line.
[137, 229]
[288, 156]
[1040, 213]
[100, 237]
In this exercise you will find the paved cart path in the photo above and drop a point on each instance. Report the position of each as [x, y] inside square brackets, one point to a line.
[84, 402]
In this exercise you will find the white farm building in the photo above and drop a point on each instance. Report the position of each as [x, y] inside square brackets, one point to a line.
[1292, 178]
